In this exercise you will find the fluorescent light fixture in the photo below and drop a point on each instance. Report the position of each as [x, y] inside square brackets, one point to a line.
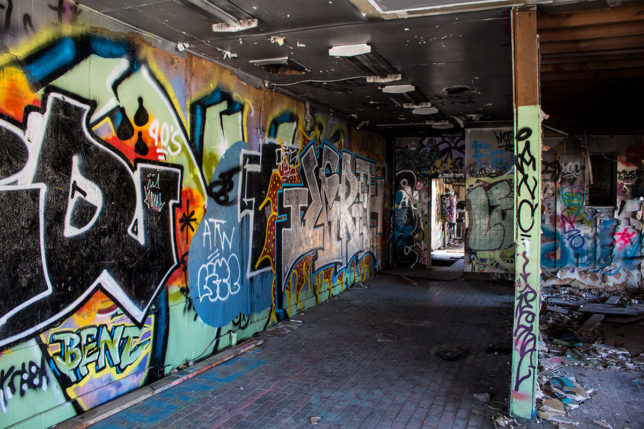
[350, 50]
[384, 79]
[417, 105]
[442, 125]
[229, 23]
[425, 111]
[241, 25]
[398, 89]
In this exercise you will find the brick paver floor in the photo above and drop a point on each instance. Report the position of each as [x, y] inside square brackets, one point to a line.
[367, 359]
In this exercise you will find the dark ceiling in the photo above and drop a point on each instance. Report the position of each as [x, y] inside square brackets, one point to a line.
[460, 62]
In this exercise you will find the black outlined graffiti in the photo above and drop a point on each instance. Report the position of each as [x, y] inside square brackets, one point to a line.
[490, 210]
[19, 380]
[220, 188]
[84, 223]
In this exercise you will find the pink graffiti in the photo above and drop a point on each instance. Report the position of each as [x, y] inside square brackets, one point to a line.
[623, 238]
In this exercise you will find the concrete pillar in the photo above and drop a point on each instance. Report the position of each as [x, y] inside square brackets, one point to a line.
[527, 230]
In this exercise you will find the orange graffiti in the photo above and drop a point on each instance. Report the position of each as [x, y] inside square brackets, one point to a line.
[364, 268]
[324, 276]
[302, 275]
[15, 93]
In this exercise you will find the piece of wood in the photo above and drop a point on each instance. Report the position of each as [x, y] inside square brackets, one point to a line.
[612, 300]
[557, 309]
[562, 302]
[585, 66]
[633, 28]
[592, 17]
[608, 309]
[625, 320]
[593, 74]
[525, 57]
[592, 322]
[604, 45]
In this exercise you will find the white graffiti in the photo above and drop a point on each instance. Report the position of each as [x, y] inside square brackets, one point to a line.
[167, 135]
[220, 277]
[153, 193]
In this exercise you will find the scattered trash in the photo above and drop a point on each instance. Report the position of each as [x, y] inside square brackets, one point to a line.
[603, 423]
[282, 328]
[386, 337]
[483, 397]
[451, 353]
[315, 420]
[568, 391]
[565, 337]
[361, 285]
[503, 421]
[581, 327]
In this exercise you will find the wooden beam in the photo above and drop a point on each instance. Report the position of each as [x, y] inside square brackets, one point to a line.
[592, 17]
[632, 28]
[593, 65]
[633, 55]
[526, 60]
[607, 44]
[593, 74]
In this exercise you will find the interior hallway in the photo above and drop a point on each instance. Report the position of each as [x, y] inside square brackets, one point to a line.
[369, 358]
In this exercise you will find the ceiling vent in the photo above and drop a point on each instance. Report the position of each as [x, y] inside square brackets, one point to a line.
[282, 66]
[229, 23]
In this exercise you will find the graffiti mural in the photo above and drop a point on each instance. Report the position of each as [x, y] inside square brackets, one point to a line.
[431, 156]
[409, 247]
[595, 246]
[489, 238]
[152, 208]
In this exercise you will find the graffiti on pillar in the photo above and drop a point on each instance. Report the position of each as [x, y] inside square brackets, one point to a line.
[489, 240]
[527, 271]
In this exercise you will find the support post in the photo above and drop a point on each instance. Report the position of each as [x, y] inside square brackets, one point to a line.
[527, 230]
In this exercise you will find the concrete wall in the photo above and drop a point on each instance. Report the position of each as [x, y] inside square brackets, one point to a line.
[489, 237]
[581, 243]
[153, 204]
[417, 162]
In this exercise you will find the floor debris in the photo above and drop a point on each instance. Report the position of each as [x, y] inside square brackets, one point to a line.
[581, 328]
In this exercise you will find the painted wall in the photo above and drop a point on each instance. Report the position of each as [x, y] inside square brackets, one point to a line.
[594, 246]
[155, 203]
[489, 240]
[417, 162]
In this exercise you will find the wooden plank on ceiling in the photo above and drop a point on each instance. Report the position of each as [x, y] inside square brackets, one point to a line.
[631, 28]
[633, 54]
[606, 44]
[592, 17]
[593, 65]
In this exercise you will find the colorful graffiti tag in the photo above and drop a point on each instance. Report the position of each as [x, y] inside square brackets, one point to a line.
[157, 211]
[489, 239]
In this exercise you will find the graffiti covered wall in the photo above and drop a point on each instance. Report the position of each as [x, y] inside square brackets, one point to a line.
[418, 161]
[489, 239]
[594, 245]
[152, 207]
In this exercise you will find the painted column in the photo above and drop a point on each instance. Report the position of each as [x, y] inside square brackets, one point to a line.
[527, 230]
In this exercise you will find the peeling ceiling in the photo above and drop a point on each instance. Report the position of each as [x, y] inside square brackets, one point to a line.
[459, 62]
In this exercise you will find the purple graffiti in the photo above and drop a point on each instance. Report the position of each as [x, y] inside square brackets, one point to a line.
[525, 319]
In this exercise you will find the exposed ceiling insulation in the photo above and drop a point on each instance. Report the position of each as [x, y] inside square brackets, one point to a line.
[289, 50]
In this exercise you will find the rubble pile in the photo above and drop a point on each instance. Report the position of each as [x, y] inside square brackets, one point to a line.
[587, 328]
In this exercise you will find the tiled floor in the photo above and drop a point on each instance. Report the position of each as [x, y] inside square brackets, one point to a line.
[367, 359]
